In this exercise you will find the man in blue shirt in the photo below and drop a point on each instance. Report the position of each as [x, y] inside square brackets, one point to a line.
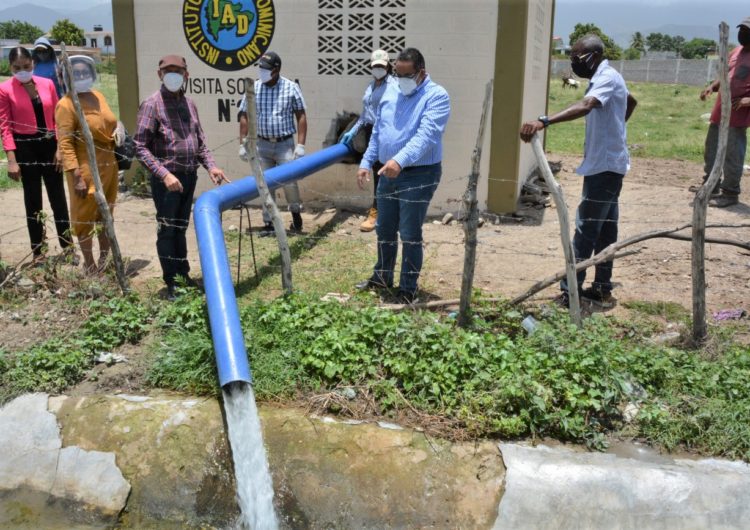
[278, 102]
[607, 105]
[407, 140]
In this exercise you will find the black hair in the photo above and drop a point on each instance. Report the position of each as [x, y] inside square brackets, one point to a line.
[18, 51]
[414, 56]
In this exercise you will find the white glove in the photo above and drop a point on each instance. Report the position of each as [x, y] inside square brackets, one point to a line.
[243, 154]
[119, 135]
[299, 151]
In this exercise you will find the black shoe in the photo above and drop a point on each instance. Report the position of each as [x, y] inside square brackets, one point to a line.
[267, 230]
[171, 295]
[598, 297]
[296, 222]
[404, 297]
[563, 300]
[370, 284]
[723, 200]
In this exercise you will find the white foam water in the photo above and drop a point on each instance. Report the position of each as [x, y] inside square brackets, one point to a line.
[254, 485]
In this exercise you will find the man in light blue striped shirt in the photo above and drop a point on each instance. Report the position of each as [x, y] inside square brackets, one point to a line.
[278, 101]
[407, 139]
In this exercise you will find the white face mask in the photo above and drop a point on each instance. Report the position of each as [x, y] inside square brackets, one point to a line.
[83, 85]
[265, 75]
[23, 76]
[407, 85]
[173, 81]
[379, 72]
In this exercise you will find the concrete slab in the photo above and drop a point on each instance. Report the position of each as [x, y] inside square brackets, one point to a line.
[559, 488]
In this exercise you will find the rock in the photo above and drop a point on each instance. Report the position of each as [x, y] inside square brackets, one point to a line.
[447, 218]
[669, 337]
[25, 284]
[480, 222]
[232, 228]
[33, 466]
[339, 297]
[630, 412]
[597, 490]
[454, 222]
[436, 222]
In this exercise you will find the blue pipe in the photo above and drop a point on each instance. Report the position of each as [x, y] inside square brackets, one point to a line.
[223, 312]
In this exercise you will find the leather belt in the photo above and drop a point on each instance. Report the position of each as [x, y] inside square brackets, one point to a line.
[276, 140]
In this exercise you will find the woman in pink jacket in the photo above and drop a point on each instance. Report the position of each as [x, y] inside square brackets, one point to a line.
[27, 129]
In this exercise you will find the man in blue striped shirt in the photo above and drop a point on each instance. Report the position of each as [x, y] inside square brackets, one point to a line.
[278, 101]
[407, 139]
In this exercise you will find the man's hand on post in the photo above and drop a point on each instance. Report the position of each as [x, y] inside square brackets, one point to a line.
[391, 169]
[740, 102]
[529, 129]
[299, 151]
[217, 176]
[172, 183]
[363, 175]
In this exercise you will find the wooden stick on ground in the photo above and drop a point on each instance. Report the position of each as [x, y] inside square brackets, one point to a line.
[251, 146]
[562, 214]
[472, 220]
[700, 205]
[101, 200]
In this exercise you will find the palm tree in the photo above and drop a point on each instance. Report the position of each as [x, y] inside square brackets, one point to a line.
[637, 42]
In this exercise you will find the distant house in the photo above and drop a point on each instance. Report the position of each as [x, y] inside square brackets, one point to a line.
[101, 40]
[559, 47]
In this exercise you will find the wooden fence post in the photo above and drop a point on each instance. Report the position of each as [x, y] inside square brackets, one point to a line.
[101, 200]
[472, 219]
[562, 215]
[700, 204]
[251, 146]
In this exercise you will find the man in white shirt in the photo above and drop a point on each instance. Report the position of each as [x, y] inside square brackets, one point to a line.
[607, 105]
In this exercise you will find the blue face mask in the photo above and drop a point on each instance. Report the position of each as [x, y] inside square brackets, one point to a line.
[407, 85]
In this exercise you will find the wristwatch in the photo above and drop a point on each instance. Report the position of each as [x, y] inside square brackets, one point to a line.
[545, 120]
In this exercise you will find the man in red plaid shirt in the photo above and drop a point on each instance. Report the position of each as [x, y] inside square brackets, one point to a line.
[170, 144]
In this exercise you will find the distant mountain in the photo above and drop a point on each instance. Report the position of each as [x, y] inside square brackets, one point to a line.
[620, 19]
[45, 17]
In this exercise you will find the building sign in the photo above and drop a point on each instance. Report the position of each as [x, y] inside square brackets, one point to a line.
[228, 35]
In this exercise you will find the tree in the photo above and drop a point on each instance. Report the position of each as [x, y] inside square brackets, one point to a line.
[611, 50]
[678, 43]
[632, 54]
[698, 48]
[637, 43]
[23, 31]
[655, 42]
[65, 31]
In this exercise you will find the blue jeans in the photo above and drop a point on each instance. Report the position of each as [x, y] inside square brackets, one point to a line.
[272, 154]
[402, 208]
[596, 225]
[172, 220]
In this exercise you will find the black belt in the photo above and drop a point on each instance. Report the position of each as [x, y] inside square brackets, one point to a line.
[276, 140]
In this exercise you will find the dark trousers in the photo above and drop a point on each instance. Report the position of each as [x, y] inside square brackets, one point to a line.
[596, 225]
[172, 220]
[35, 155]
[402, 208]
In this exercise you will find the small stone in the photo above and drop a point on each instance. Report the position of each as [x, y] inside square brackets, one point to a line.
[436, 222]
[25, 284]
[447, 218]
[454, 222]
[630, 412]
[232, 228]
[480, 222]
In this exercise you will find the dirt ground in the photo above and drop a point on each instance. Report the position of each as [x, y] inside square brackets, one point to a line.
[512, 254]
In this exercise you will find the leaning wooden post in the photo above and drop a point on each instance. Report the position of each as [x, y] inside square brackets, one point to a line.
[562, 216]
[700, 204]
[472, 220]
[101, 200]
[251, 146]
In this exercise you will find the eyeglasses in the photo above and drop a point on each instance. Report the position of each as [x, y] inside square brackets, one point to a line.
[412, 76]
[81, 74]
[580, 58]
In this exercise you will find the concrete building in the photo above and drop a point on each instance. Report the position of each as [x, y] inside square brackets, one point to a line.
[102, 40]
[325, 46]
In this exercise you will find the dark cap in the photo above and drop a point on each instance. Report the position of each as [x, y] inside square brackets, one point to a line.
[270, 60]
[745, 23]
[172, 60]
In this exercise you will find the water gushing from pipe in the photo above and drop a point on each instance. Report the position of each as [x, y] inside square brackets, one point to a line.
[254, 484]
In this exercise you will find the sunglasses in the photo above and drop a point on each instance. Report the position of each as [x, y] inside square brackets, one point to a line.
[580, 58]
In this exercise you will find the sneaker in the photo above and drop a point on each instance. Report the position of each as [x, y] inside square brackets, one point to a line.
[368, 225]
[598, 297]
[562, 300]
[171, 294]
[724, 200]
[267, 230]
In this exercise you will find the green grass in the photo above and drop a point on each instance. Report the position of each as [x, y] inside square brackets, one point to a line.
[666, 123]
[491, 380]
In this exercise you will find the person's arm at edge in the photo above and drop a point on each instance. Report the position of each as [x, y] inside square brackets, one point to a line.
[632, 104]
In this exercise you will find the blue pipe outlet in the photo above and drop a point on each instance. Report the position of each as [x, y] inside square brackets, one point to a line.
[223, 312]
